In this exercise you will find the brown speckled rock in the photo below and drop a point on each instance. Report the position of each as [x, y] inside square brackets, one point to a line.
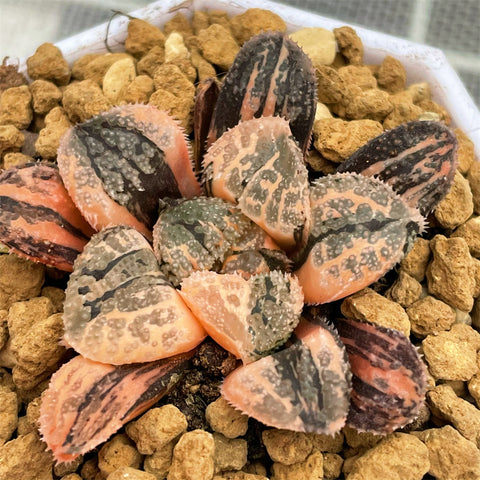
[37, 356]
[466, 151]
[47, 63]
[230, 454]
[11, 139]
[452, 355]
[470, 231]
[26, 457]
[327, 443]
[452, 457]
[56, 124]
[83, 100]
[218, 46]
[8, 414]
[399, 456]
[118, 452]
[253, 21]
[391, 75]
[349, 44]
[309, 469]
[337, 139]
[193, 457]
[464, 416]
[457, 207]
[225, 419]
[129, 473]
[368, 305]
[156, 428]
[451, 273]
[16, 107]
[159, 462]
[332, 466]
[405, 290]
[142, 37]
[473, 177]
[45, 96]
[287, 447]
[430, 315]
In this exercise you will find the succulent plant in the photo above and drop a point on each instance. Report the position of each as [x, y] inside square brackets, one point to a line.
[38, 220]
[342, 232]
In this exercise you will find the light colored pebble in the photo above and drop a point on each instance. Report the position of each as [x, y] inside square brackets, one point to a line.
[193, 457]
[452, 355]
[368, 305]
[117, 78]
[175, 47]
[464, 416]
[96, 68]
[225, 419]
[452, 457]
[322, 112]
[157, 427]
[451, 273]
[430, 316]
[399, 456]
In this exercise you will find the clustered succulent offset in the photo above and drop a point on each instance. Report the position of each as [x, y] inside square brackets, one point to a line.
[243, 255]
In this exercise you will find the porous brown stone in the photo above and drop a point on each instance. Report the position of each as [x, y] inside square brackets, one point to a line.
[452, 457]
[451, 273]
[452, 355]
